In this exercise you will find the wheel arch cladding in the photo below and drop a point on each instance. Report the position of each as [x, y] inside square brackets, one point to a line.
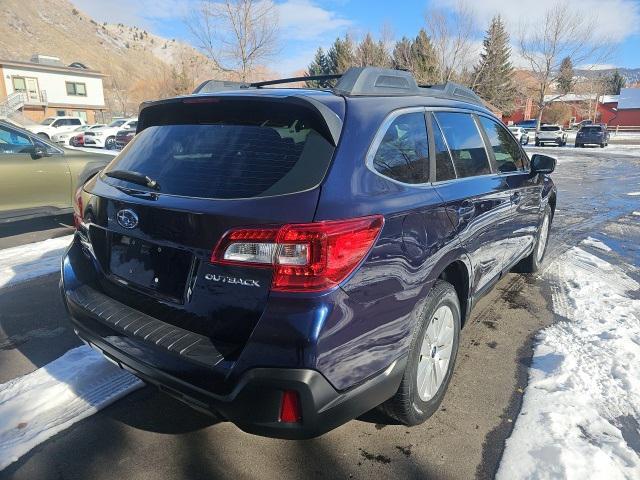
[457, 274]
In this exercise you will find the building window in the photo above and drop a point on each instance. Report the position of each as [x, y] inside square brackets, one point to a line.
[61, 113]
[19, 84]
[76, 89]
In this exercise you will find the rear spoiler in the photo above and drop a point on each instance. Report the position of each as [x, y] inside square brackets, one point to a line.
[173, 110]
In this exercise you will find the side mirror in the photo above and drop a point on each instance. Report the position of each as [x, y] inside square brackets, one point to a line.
[38, 151]
[542, 163]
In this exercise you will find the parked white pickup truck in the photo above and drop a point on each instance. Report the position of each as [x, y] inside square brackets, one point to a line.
[52, 125]
[551, 134]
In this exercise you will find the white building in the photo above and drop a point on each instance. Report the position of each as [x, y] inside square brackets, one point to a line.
[45, 87]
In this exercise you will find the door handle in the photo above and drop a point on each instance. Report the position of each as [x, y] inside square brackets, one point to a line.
[516, 197]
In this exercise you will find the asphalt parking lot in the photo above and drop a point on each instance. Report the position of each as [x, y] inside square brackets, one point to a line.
[149, 435]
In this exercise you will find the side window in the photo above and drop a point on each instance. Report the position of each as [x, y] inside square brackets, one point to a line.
[58, 123]
[73, 121]
[12, 141]
[505, 148]
[403, 154]
[444, 165]
[465, 143]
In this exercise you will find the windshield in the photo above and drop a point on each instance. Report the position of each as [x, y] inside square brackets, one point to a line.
[117, 123]
[549, 128]
[225, 160]
[514, 129]
[47, 121]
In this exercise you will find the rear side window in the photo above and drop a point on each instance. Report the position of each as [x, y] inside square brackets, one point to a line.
[444, 165]
[465, 143]
[505, 148]
[403, 153]
[237, 158]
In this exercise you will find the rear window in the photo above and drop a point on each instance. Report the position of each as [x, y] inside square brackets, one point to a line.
[239, 158]
[592, 129]
[549, 128]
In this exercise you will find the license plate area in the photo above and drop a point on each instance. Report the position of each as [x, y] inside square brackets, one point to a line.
[157, 268]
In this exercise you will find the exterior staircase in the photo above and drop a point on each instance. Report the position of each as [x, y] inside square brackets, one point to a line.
[10, 109]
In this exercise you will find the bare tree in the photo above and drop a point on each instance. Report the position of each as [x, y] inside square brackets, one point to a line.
[563, 33]
[236, 34]
[451, 34]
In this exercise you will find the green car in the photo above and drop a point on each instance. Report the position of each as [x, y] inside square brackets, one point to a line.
[38, 178]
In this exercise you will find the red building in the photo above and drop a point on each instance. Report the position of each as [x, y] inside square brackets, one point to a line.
[614, 110]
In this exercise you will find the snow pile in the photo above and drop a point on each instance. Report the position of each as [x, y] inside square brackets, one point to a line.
[35, 407]
[581, 410]
[18, 264]
[595, 243]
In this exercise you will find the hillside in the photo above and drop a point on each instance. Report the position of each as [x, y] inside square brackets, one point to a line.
[132, 57]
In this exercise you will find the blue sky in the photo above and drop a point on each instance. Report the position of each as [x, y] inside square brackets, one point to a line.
[307, 24]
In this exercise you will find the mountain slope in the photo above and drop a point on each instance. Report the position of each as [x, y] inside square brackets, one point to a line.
[129, 55]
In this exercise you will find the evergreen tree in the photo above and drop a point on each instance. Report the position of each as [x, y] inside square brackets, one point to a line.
[401, 56]
[319, 66]
[341, 55]
[423, 59]
[493, 75]
[370, 53]
[615, 83]
[566, 76]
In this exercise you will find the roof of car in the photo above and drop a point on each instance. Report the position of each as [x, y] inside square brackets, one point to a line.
[356, 82]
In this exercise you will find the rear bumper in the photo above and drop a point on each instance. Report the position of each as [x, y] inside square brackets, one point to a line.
[254, 399]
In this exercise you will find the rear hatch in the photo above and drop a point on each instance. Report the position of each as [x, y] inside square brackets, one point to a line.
[548, 132]
[211, 164]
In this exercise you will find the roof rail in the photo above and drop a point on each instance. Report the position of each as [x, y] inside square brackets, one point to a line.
[362, 81]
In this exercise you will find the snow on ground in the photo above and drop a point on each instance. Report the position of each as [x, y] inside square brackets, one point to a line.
[581, 410]
[633, 194]
[18, 264]
[594, 242]
[36, 406]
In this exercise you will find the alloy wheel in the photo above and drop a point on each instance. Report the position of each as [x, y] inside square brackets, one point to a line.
[435, 353]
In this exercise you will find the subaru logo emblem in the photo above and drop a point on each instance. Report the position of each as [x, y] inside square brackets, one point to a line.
[127, 218]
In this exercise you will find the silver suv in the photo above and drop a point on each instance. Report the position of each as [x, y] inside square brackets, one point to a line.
[551, 134]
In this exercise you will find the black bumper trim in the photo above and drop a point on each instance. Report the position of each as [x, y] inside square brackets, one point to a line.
[254, 403]
[126, 320]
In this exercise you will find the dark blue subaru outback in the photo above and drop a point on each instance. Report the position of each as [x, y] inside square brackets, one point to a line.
[288, 259]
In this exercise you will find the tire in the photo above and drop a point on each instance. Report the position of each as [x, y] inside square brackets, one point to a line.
[537, 143]
[532, 263]
[110, 143]
[577, 145]
[408, 406]
[602, 145]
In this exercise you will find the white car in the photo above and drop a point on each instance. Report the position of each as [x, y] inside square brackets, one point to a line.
[51, 126]
[64, 138]
[105, 137]
[521, 134]
[551, 134]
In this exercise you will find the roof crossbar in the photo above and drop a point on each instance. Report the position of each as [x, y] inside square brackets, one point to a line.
[362, 81]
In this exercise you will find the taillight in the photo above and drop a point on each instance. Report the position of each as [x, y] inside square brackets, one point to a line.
[77, 208]
[304, 257]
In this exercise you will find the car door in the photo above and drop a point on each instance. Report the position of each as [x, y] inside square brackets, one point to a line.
[29, 181]
[524, 189]
[475, 197]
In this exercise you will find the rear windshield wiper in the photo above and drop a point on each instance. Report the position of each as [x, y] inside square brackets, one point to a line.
[134, 177]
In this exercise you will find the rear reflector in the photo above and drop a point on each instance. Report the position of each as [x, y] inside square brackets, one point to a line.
[290, 411]
[304, 257]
